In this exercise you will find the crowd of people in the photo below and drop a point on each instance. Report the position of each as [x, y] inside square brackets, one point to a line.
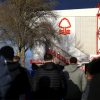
[50, 80]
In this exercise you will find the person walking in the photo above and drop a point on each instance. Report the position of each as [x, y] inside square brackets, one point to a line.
[48, 81]
[19, 83]
[76, 80]
[92, 91]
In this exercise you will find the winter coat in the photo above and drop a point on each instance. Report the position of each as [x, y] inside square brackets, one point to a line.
[76, 81]
[5, 78]
[55, 74]
[94, 89]
[20, 84]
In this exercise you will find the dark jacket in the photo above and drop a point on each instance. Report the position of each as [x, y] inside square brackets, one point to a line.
[94, 88]
[5, 78]
[20, 84]
[54, 72]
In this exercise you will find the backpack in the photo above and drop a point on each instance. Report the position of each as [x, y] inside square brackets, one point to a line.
[5, 78]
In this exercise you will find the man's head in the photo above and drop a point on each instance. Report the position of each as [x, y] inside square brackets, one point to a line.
[48, 57]
[94, 66]
[73, 60]
[7, 52]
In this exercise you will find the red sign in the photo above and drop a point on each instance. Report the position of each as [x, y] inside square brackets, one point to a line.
[64, 28]
[54, 53]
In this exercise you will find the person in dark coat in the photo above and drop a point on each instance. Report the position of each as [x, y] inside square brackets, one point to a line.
[51, 72]
[19, 84]
[92, 92]
[5, 78]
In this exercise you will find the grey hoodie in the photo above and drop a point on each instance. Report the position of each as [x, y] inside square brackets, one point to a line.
[76, 81]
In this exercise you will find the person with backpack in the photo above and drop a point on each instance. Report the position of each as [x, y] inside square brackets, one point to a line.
[18, 83]
[48, 81]
[76, 80]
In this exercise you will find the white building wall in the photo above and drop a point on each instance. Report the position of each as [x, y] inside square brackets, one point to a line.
[85, 29]
[85, 23]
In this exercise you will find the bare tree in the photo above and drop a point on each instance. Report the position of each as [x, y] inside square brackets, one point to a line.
[25, 21]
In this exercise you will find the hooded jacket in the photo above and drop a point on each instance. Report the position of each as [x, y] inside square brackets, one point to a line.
[76, 81]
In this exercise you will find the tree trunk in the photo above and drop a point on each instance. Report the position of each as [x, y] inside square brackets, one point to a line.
[21, 54]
